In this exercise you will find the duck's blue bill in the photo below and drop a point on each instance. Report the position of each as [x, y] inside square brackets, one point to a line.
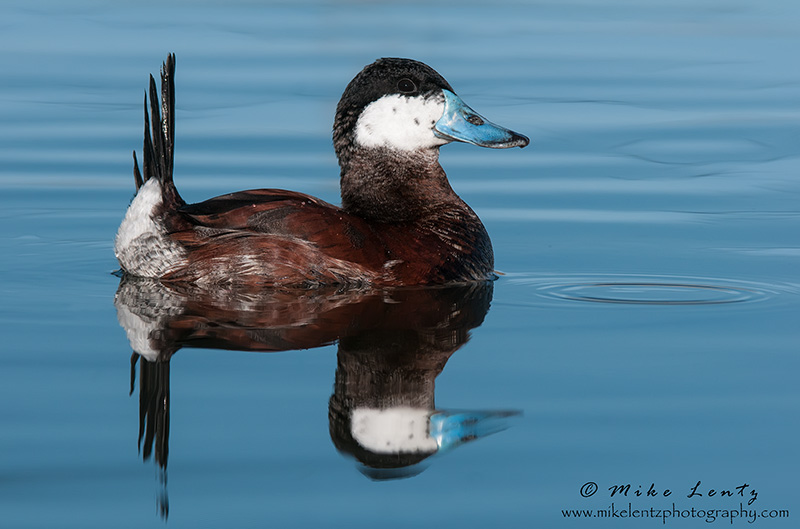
[461, 123]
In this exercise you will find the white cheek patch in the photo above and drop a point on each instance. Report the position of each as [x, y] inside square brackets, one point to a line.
[400, 122]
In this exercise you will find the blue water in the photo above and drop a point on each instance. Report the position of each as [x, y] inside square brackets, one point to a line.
[644, 333]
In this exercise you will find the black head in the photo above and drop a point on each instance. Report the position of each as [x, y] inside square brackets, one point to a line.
[390, 122]
[405, 105]
[404, 78]
[386, 76]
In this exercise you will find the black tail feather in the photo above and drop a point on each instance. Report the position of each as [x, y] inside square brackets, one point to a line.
[137, 176]
[149, 154]
[158, 128]
[159, 146]
[168, 111]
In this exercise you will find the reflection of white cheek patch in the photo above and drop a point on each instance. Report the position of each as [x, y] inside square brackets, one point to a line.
[400, 122]
[392, 430]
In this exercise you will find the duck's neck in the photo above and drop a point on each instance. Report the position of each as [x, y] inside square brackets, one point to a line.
[386, 185]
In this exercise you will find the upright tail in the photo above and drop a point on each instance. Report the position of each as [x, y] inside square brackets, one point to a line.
[159, 148]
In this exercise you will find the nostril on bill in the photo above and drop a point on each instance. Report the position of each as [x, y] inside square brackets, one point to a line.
[475, 120]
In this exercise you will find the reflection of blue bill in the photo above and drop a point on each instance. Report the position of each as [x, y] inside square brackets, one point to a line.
[453, 428]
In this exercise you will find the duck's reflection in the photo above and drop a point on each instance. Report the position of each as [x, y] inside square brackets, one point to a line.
[382, 410]
[392, 344]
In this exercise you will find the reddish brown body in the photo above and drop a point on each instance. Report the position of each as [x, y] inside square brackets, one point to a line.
[274, 237]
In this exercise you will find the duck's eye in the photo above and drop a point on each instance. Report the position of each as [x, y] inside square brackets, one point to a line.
[406, 85]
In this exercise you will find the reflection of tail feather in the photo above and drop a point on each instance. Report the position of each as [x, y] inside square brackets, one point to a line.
[163, 498]
[153, 409]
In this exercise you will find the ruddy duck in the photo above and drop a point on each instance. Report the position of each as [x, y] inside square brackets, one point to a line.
[400, 222]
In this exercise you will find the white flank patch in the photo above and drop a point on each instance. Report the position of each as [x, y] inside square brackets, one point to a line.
[400, 122]
[139, 217]
[393, 430]
[142, 245]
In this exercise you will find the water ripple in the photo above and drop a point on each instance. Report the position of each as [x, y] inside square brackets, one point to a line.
[652, 290]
